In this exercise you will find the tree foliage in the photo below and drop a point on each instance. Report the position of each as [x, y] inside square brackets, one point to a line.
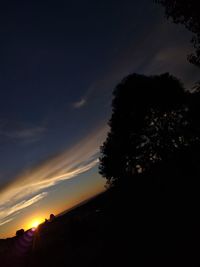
[186, 13]
[152, 118]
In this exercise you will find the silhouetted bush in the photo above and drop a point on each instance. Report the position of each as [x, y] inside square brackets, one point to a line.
[20, 232]
[51, 217]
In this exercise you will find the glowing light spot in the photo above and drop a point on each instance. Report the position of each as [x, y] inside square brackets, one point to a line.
[34, 224]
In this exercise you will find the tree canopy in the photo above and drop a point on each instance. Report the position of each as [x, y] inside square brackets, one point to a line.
[152, 118]
[186, 13]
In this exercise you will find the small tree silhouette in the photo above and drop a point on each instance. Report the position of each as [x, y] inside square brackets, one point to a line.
[52, 217]
[20, 232]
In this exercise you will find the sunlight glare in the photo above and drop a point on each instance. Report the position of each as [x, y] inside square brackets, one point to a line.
[34, 224]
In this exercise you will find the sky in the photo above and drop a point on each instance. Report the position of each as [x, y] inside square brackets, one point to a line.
[59, 63]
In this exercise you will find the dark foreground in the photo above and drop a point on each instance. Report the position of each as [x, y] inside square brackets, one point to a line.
[140, 227]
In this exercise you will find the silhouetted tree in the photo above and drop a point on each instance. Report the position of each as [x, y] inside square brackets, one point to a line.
[20, 232]
[52, 217]
[187, 13]
[152, 118]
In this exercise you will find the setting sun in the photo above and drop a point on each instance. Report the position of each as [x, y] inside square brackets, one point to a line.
[34, 223]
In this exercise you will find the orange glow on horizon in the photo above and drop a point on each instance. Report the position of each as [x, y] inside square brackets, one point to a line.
[33, 220]
[34, 223]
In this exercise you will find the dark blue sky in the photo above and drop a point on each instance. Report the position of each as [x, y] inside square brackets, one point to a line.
[59, 62]
[53, 56]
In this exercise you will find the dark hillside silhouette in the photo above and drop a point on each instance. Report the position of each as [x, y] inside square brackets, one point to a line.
[82, 237]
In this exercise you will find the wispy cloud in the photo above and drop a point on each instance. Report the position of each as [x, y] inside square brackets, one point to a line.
[27, 133]
[79, 104]
[19, 131]
[4, 221]
[8, 212]
[28, 187]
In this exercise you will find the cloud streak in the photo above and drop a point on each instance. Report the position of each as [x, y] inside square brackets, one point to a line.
[19, 131]
[29, 187]
[79, 104]
[4, 221]
[8, 212]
